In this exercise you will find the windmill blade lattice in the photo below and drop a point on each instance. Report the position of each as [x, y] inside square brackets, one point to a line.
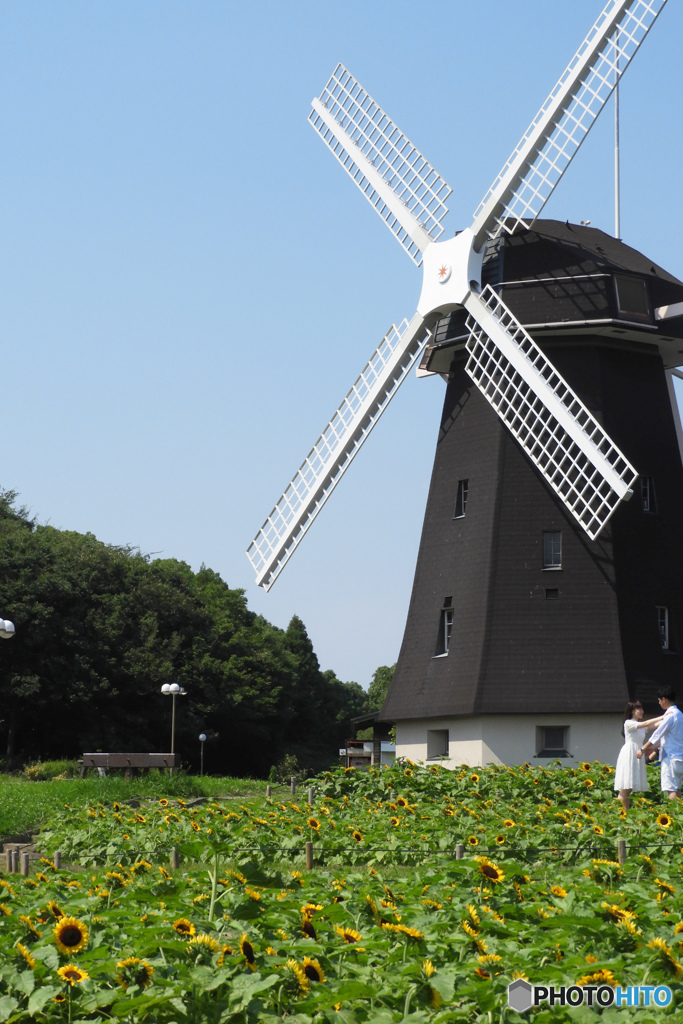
[525, 184]
[555, 429]
[403, 187]
[335, 449]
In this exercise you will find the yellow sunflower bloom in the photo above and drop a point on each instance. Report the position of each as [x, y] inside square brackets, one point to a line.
[558, 891]
[247, 951]
[72, 974]
[508, 823]
[71, 935]
[26, 955]
[300, 975]
[473, 841]
[664, 820]
[184, 927]
[489, 870]
[358, 836]
[348, 934]
[666, 956]
[603, 977]
[314, 823]
[55, 909]
[312, 969]
[133, 971]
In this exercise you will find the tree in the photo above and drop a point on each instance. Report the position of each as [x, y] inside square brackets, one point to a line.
[379, 686]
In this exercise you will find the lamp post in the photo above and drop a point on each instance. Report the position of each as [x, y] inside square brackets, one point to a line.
[7, 629]
[172, 690]
[202, 740]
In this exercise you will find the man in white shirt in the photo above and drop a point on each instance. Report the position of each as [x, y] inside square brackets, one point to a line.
[668, 736]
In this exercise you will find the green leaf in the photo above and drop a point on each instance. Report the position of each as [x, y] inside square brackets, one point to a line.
[40, 996]
[8, 1005]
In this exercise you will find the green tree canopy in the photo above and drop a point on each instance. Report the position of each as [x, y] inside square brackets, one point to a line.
[100, 628]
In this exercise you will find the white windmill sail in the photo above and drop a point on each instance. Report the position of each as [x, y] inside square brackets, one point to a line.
[556, 430]
[337, 446]
[525, 184]
[392, 174]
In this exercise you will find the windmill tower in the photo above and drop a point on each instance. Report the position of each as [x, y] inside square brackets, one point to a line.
[541, 330]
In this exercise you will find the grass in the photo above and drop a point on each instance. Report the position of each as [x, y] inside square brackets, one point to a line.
[25, 806]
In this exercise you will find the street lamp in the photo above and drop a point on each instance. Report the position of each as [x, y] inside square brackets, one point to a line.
[7, 629]
[172, 690]
[202, 740]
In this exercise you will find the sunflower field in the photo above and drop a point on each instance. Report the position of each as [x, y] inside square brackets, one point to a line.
[390, 924]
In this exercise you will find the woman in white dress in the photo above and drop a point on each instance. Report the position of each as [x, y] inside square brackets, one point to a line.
[631, 774]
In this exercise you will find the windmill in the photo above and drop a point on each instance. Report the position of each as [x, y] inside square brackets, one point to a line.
[506, 400]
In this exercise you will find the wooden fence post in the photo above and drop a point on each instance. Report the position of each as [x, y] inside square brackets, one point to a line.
[309, 856]
[621, 850]
[269, 792]
[459, 851]
[293, 784]
[175, 859]
[310, 795]
[58, 859]
[24, 863]
[9, 860]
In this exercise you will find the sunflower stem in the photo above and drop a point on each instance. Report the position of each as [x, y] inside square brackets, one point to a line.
[213, 875]
[409, 995]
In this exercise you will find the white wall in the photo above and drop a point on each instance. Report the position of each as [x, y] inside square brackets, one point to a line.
[511, 739]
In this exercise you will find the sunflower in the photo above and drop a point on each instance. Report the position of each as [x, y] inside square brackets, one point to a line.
[55, 909]
[134, 971]
[116, 878]
[666, 956]
[358, 836]
[586, 767]
[312, 969]
[602, 977]
[141, 818]
[163, 802]
[202, 948]
[314, 823]
[473, 841]
[482, 974]
[247, 951]
[508, 823]
[403, 929]
[26, 921]
[299, 975]
[397, 821]
[348, 934]
[490, 871]
[665, 887]
[558, 891]
[401, 802]
[26, 955]
[184, 927]
[474, 778]
[59, 998]
[308, 929]
[617, 913]
[588, 783]
[72, 974]
[598, 830]
[164, 872]
[448, 812]
[195, 827]
[429, 968]
[490, 958]
[408, 772]
[71, 935]
[664, 820]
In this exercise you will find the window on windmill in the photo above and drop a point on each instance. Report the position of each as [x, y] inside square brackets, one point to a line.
[552, 550]
[663, 626]
[443, 641]
[437, 743]
[552, 741]
[632, 297]
[647, 494]
[461, 499]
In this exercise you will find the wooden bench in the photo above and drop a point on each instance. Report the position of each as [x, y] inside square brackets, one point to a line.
[129, 762]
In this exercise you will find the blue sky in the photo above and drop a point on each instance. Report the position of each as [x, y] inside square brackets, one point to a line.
[190, 283]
